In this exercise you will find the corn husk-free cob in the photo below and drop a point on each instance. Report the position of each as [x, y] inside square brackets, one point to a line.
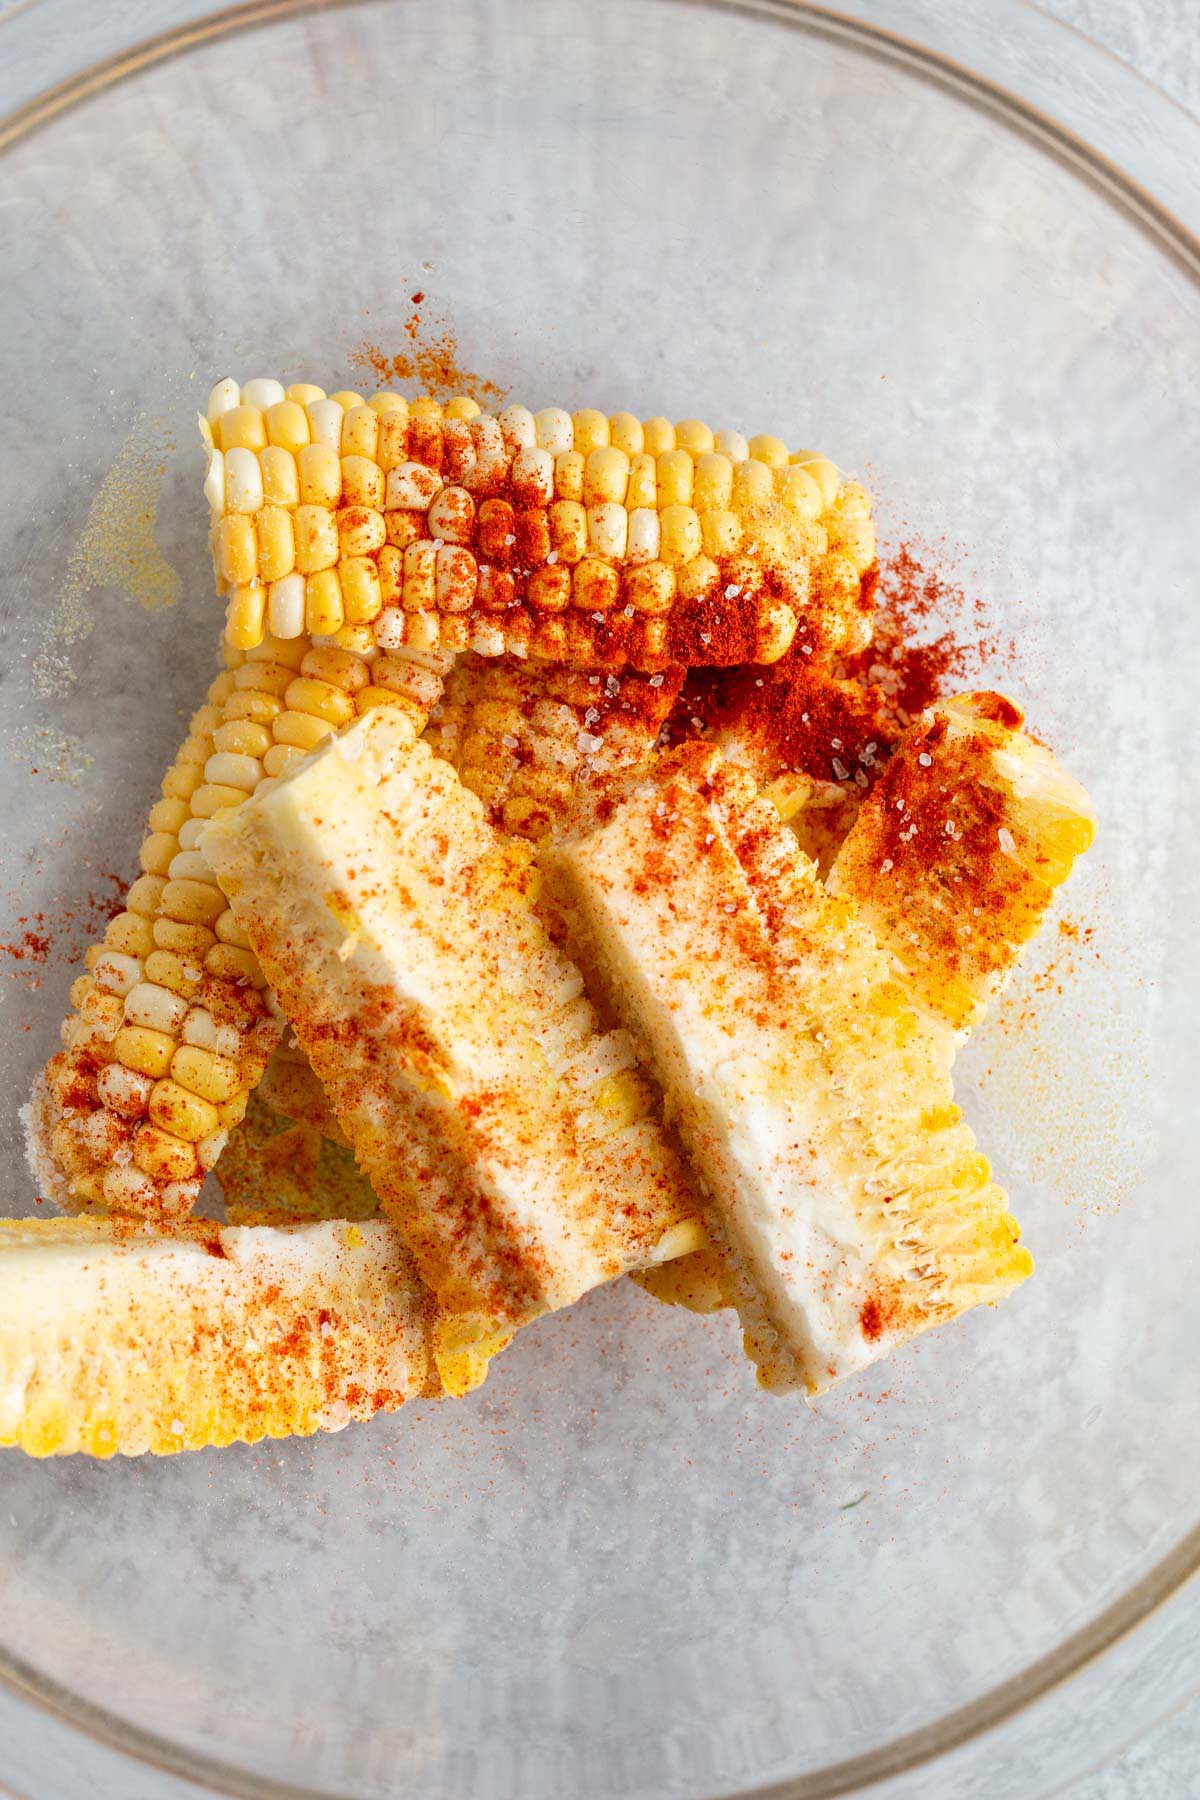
[117, 1338]
[510, 1138]
[851, 1207]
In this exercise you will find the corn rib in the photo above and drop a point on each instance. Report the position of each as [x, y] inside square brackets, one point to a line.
[573, 538]
[116, 1339]
[507, 1135]
[812, 1097]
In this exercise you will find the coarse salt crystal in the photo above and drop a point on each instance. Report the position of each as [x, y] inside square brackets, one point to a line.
[588, 742]
[886, 864]
[176, 1427]
[591, 715]
[732, 591]
[1008, 842]
[925, 760]
[553, 557]
[510, 537]
[841, 772]
[509, 741]
[656, 681]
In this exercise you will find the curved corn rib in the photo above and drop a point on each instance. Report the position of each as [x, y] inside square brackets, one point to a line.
[116, 1339]
[575, 538]
[954, 857]
[813, 1098]
[507, 1135]
[173, 1023]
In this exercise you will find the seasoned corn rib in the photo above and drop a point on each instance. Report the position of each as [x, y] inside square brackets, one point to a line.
[954, 857]
[577, 538]
[508, 1136]
[173, 1023]
[117, 1339]
[813, 1099]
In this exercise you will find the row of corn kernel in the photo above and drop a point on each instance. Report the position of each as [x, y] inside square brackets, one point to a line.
[173, 1027]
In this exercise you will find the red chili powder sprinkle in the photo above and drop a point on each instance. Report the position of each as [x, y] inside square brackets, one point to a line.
[66, 934]
[430, 358]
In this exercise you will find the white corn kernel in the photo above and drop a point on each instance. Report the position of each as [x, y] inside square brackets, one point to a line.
[533, 476]
[223, 398]
[411, 487]
[116, 972]
[285, 606]
[555, 430]
[189, 833]
[208, 1150]
[229, 769]
[731, 444]
[243, 482]
[189, 865]
[643, 535]
[262, 392]
[128, 1190]
[123, 1090]
[519, 427]
[389, 628]
[325, 422]
[156, 1008]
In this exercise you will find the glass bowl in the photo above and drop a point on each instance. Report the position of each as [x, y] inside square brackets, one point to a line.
[619, 1570]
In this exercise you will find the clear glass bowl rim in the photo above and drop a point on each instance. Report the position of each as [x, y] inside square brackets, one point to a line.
[1110, 159]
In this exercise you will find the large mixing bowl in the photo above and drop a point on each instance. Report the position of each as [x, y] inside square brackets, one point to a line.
[619, 1570]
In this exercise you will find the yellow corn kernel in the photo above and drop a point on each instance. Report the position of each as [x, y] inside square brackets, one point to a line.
[316, 539]
[190, 941]
[301, 730]
[659, 436]
[605, 477]
[359, 640]
[642, 489]
[568, 530]
[347, 399]
[419, 585]
[193, 902]
[166, 969]
[360, 531]
[168, 815]
[147, 1052]
[650, 588]
[425, 407]
[321, 700]
[276, 543]
[214, 1078]
[568, 475]
[343, 669]
[595, 585]
[694, 436]
[753, 486]
[161, 1154]
[721, 532]
[245, 616]
[697, 578]
[385, 402]
[362, 595]
[280, 477]
[360, 434]
[320, 470]
[801, 493]
[549, 589]
[266, 677]
[713, 487]
[626, 433]
[287, 425]
[608, 530]
[183, 1114]
[591, 430]
[304, 393]
[157, 851]
[280, 758]
[233, 1111]
[680, 535]
[234, 964]
[145, 896]
[393, 439]
[181, 781]
[770, 450]
[242, 428]
[131, 935]
[241, 738]
[675, 472]
[237, 549]
[323, 610]
[212, 797]
[826, 474]
[230, 932]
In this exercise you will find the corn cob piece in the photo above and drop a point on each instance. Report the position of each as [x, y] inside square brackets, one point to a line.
[579, 538]
[117, 1339]
[954, 857]
[509, 1137]
[525, 737]
[173, 1023]
[848, 1196]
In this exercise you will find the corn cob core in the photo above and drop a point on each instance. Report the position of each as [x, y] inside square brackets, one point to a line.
[813, 1098]
[116, 1339]
[955, 855]
[173, 1023]
[575, 538]
[508, 1135]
